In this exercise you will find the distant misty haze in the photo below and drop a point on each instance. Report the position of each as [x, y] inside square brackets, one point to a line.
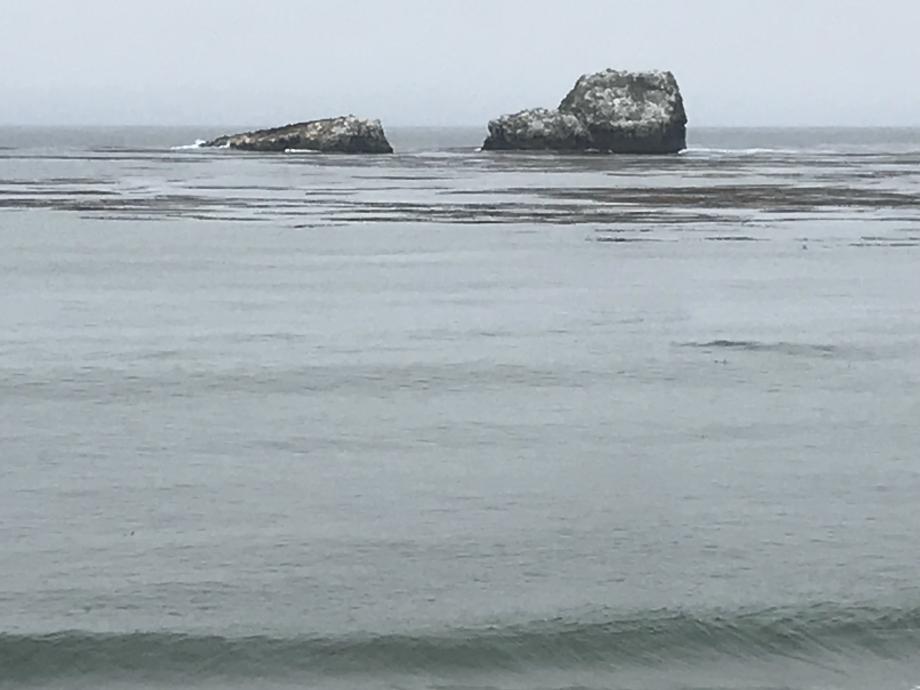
[447, 62]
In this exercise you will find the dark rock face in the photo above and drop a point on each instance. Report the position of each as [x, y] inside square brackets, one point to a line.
[612, 111]
[347, 134]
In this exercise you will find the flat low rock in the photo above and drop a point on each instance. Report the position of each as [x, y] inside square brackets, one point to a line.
[612, 111]
[537, 129]
[347, 134]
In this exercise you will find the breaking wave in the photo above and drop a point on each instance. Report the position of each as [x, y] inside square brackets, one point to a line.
[757, 151]
[186, 147]
[815, 634]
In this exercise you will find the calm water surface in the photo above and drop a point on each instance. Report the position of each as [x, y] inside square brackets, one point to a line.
[448, 419]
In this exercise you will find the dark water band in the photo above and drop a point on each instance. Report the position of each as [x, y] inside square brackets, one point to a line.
[647, 639]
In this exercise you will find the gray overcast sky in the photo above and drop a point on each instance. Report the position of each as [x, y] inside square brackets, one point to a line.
[781, 62]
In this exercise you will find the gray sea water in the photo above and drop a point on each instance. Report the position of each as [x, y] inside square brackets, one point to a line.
[455, 420]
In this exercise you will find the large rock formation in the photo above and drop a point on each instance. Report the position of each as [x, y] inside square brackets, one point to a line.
[613, 111]
[347, 134]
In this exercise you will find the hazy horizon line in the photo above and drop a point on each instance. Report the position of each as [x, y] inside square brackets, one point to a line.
[416, 125]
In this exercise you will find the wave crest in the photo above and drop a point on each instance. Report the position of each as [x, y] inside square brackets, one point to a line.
[781, 347]
[650, 638]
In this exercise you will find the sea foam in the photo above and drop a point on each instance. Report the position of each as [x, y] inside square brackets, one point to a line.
[185, 147]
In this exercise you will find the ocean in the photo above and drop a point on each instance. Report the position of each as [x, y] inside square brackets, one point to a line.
[451, 420]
